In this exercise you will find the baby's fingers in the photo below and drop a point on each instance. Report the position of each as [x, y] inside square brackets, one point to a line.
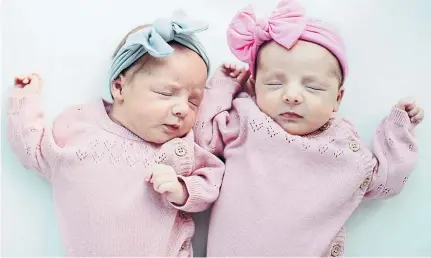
[418, 117]
[166, 187]
[21, 81]
[405, 104]
[235, 73]
[413, 111]
[159, 182]
[243, 76]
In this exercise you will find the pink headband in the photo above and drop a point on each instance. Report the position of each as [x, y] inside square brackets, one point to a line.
[286, 25]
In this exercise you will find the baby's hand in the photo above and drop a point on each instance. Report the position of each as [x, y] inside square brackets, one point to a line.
[415, 112]
[29, 84]
[165, 182]
[239, 75]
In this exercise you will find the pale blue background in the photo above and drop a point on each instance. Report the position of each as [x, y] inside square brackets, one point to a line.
[69, 42]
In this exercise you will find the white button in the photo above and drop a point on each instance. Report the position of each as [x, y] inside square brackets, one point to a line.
[354, 146]
[180, 150]
[185, 245]
[324, 127]
[365, 183]
[336, 250]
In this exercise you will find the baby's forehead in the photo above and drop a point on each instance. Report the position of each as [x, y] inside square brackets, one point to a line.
[301, 51]
[303, 54]
[182, 71]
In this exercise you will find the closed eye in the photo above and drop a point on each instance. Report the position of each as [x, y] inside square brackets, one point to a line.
[194, 102]
[273, 83]
[167, 94]
[313, 83]
[314, 87]
[195, 99]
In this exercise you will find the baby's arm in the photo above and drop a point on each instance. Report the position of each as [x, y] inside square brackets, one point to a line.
[192, 184]
[203, 184]
[211, 130]
[27, 135]
[395, 150]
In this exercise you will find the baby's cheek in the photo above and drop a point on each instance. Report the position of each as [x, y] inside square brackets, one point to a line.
[190, 121]
[267, 106]
[159, 109]
[320, 115]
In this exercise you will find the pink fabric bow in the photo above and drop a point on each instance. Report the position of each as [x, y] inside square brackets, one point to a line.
[286, 25]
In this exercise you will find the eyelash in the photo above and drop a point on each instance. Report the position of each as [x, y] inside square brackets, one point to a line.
[274, 85]
[307, 86]
[314, 87]
[194, 104]
[311, 87]
[164, 93]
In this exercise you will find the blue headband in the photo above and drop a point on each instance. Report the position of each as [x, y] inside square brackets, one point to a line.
[154, 40]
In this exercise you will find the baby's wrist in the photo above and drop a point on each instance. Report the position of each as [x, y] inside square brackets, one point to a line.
[399, 117]
[182, 195]
[222, 82]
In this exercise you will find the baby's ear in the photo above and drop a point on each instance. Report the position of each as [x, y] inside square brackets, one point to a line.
[117, 88]
[339, 98]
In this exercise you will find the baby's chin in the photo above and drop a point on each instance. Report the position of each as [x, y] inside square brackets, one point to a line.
[299, 129]
[161, 137]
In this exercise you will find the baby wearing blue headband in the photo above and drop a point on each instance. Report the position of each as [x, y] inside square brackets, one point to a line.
[125, 170]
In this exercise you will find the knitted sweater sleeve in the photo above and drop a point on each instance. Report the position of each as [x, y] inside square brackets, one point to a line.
[394, 155]
[203, 184]
[29, 138]
[215, 127]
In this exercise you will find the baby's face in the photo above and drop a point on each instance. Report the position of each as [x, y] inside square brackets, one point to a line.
[162, 103]
[298, 88]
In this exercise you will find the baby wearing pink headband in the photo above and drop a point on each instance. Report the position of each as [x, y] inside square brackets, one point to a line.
[295, 172]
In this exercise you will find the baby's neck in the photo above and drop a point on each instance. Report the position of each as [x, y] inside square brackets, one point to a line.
[114, 114]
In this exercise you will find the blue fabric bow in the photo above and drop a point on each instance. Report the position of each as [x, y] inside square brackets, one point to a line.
[154, 41]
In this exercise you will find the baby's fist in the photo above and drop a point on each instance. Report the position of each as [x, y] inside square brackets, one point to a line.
[416, 113]
[29, 84]
[238, 75]
[165, 181]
